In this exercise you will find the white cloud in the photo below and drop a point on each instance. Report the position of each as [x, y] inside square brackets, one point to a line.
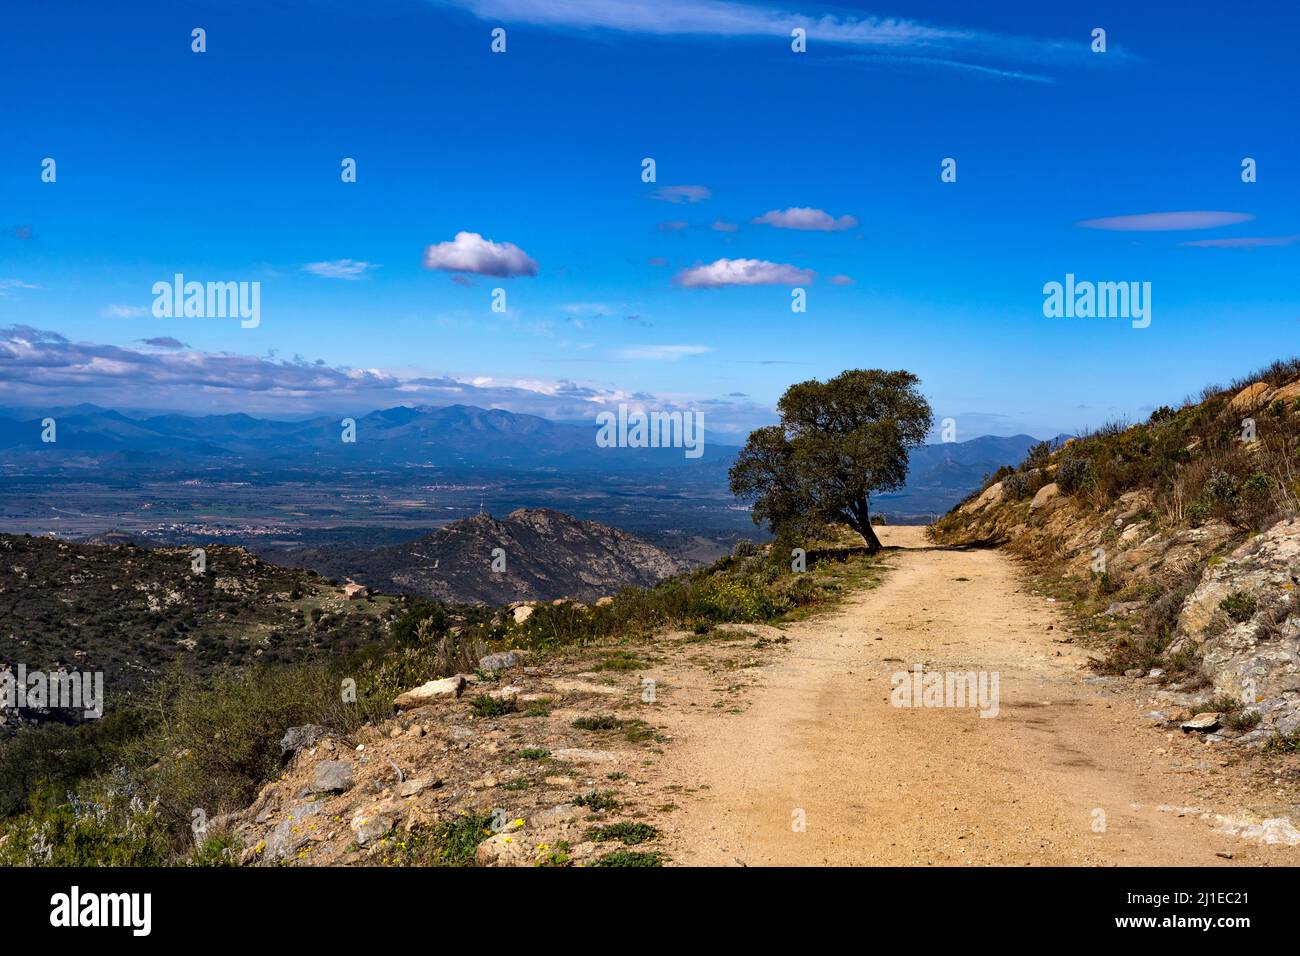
[470, 252]
[724, 272]
[124, 312]
[721, 226]
[802, 217]
[662, 353]
[681, 194]
[1243, 242]
[1167, 221]
[841, 280]
[339, 269]
[897, 36]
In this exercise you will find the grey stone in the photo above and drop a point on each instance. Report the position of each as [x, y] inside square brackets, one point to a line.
[296, 738]
[500, 662]
[332, 776]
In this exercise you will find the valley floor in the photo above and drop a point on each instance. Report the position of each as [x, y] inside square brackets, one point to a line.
[1067, 773]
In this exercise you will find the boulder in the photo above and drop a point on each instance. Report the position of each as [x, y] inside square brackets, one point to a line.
[434, 690]
[500, 662]
[368, 829]
[991, 496]
[1249, 398]
[296, 738]
[522, 613]
[1203, 722]
[1286, 394]
[1257, 659]
[1046, 494]
[331, 776]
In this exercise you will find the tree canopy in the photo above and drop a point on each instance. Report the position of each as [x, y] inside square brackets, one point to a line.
[838, 441]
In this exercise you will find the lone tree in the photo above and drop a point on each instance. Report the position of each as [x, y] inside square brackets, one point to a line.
[838, 441]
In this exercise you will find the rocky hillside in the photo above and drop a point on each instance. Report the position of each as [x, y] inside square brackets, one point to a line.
[133, 613]
[543, 555]
[1178, 542]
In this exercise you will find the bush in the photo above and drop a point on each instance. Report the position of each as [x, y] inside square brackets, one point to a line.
[1017, 487]
[1075, 475]
[1239, 606]
[114, 831]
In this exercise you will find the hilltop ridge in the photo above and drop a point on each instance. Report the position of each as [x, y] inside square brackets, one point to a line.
[1178, 544]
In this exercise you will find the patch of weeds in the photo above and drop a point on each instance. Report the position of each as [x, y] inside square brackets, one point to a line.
[628, 833]
[486, 706]
[534, 753]
[620, 661]
[1283, 743]
[519, 783]
[1242, 720]
[598, 722]
[616, 775]
[598, 800]
[449, 843]
[631, 858]
[539, 708]
[557, 855]
[1239, 606]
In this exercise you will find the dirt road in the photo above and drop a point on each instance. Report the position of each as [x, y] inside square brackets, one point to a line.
[820, 768]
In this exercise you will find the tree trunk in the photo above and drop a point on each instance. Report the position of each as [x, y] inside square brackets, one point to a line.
[862, 525]
[869, 535]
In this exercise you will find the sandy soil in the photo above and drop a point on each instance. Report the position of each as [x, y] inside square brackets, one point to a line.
[1066, 773]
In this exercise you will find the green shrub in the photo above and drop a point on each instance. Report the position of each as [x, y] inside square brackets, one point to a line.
[1074, 475]
[486, 706]
[631, 858]
[1239, 606]
[629, 833]
[115, 831]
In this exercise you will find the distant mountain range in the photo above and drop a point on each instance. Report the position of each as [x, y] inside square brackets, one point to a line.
[565, 467]
[90, 437]
[536, 554]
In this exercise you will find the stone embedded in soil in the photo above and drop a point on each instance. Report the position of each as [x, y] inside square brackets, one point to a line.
[331, 776]
[418, 785]
[583, 687]
[591, 756]
[434, 690]
[1204, 722]
[500, 662]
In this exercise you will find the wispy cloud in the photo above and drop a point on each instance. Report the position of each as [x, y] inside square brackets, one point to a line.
[9, 285]
[905, 39]
[1167, 221]
[681, 194]
[726, 272]
[662, 353]
[675, 225]
[1243, 242]
[840, 280]
[339, 269]
[164, 342]
[721, 226]
[124, 312]
[802, 217]
[470, 252]
[928, 62]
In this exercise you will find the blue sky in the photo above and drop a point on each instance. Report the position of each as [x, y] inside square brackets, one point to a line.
[225, 166]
